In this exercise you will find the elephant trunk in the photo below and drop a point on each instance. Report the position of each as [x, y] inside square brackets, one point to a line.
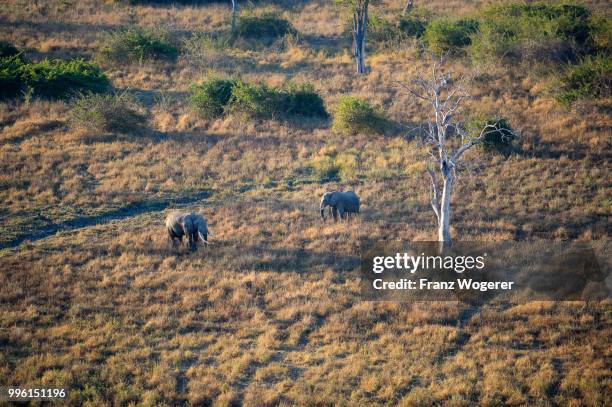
[322, 212]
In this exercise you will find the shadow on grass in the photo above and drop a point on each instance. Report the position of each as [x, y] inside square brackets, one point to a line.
[125, 211]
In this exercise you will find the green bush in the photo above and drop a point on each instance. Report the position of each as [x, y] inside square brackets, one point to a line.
[59, 78]
[262, 25]
[412, 26]
[137, 45]
[256, 100]
[498, 139]
[353, 115]
[50, 78]
[592, 77]
[303, 100]
[443, 36]
[535, 31]
[216, 96]
[107, 113]
[210, 98]
[10, 76]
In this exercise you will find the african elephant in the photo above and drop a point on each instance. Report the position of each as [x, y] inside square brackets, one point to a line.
[193, 225]
[340, 202]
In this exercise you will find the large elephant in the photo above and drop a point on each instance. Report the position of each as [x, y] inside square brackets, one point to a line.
[190, 224]
[343, 203]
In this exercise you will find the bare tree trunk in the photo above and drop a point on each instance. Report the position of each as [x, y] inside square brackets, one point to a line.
[407, 7]
[234, 10]
[445, 148]
[360, 22]
[444, 219]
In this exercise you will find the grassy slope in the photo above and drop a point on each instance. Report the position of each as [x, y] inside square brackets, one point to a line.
[271, 313]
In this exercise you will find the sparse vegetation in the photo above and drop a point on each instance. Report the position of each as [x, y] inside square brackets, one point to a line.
[353, 115]
[592, 77]
[136, 45]
[532, 32]
[263, 25]
[107, 113]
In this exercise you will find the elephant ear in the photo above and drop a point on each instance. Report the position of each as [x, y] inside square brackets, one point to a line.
[336, 198]
[188, 223]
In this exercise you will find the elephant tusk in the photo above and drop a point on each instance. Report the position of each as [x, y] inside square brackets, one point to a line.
[202, 237]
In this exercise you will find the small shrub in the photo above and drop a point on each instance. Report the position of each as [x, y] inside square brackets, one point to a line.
[353, 115]
[303, 100]
[449, 36]
[59, 78]
[137, 45]
[590, 78]
[50, 78]
[217, 96]
[256, 100]
[498, 140]
[412, 26]
[211, 97]
[259, 100]
[108, 113]
[267, 24]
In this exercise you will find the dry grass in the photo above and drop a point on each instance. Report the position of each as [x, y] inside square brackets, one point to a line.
[270, 314]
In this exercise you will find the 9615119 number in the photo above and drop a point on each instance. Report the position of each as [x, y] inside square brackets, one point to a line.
[36, 393]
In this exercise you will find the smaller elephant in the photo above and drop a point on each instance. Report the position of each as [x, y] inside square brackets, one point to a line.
[343, 203]
[190, 224]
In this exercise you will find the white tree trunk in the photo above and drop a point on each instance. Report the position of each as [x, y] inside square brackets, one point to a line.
[234, 10]
[444, 220]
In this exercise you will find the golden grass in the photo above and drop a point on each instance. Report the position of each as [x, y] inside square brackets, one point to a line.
[270, 313]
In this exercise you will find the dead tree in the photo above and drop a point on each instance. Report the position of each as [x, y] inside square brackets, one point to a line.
[359, 11]
[360, 25]
[234, 12]
[407, 7]
[444, 137]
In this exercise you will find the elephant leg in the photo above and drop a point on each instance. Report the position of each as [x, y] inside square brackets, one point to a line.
[335, 213]
[173, 238]
[193, 241]
[343, 214]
